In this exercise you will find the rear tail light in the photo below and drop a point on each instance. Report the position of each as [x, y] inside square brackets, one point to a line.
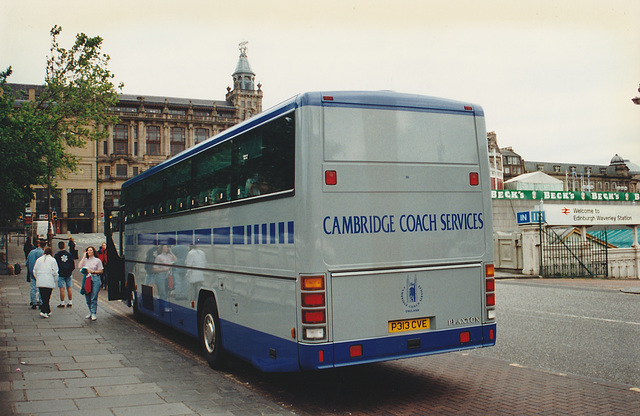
[491, 299]
[489, 270]
[314, 316]
[465, 337]
[331, 177]
[313, 282]
[474, 179]
[313, 302]
[355, 350]
[490, 288]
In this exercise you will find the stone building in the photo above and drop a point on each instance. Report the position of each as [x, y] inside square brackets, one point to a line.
[150, 130]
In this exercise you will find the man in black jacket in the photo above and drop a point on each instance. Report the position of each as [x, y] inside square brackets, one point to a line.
[66, 265]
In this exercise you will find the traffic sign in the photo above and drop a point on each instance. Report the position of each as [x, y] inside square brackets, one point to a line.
[529, 217]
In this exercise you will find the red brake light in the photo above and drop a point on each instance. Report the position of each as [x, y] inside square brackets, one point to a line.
[312, 300]
[331, 177]
[327, 97]
[355, 351]
[474, 179]
[491, 285]
[491, 299]
[468, 107]
[313, 316]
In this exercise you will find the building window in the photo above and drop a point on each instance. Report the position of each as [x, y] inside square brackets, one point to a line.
[121, 171]
[540, 168]
[177, 112]
[201, 135]
[79, 203]
[177, 140]
[121, 139]
[107, 172]
[588, 170]
[135, 171]
[112, 197]
[153, 140]
[556, 168]
[42, 206]
[153, 110]
[603, 171]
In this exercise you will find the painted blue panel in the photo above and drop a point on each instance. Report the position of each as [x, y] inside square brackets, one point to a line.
[168, 238]
[258, 348]
[393, 347]
[272, 233]
[256, 234]
[248, 234]
[185, 237]
[148, 239]
[203, 236]
[281, 234]
[238, 234]
[222, 235]
[290, 232]
[265, 235]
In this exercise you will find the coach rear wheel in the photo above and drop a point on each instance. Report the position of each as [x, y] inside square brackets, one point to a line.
[210, 335]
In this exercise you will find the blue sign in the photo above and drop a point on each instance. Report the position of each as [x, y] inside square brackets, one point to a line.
[529, 217]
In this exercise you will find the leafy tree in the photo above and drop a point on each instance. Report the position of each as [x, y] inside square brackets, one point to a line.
[21, 138]
[71, 110]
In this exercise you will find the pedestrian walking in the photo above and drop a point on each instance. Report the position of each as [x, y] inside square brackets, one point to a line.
[27, 247]
[72, 248]
[45, 272]
[66, 265]
[93, 266]
[102, 255]
[31, 261]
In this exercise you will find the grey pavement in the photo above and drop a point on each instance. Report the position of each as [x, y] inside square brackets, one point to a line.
[69, 365]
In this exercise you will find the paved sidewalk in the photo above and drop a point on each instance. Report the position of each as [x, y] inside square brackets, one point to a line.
[69, 365]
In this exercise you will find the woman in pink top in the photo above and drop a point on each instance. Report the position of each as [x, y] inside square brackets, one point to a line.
[93, 266]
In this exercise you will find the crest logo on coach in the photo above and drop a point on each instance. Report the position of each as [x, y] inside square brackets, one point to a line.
[412, 294]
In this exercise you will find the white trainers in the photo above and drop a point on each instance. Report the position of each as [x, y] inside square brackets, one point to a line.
[88, 316]
[93, 317]
[44, 315]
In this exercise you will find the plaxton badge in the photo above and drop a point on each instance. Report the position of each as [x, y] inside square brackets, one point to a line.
[462, 321]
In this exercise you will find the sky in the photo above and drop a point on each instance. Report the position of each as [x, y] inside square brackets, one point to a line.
[555, 77]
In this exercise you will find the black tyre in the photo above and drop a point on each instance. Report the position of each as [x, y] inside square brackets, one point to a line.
[210, 337]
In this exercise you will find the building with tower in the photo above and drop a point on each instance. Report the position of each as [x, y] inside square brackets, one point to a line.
[150, 130]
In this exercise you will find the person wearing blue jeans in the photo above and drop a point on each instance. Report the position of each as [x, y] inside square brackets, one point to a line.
[34, 255]
[93, 266]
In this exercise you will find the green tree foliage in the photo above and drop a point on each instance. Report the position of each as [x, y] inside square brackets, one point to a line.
[71, 110]
[21, 136]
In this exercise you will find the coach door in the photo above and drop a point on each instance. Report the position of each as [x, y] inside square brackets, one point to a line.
[114, 228]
